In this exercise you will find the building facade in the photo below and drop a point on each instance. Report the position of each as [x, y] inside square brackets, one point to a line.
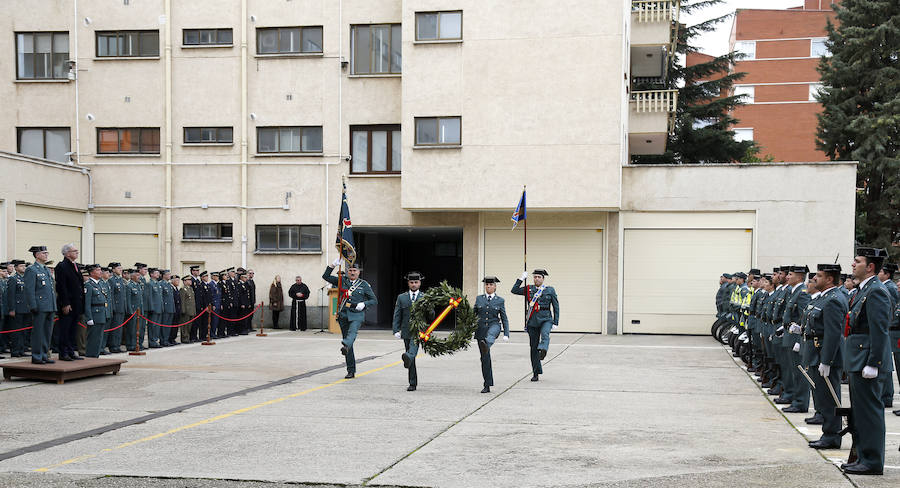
[781, 51]
[219, 134]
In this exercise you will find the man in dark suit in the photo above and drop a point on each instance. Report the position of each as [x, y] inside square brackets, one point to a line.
[69, 301]
[400, 325]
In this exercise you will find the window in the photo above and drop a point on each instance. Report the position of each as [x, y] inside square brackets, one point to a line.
[814, 89]
[128, 44]
[208, 135]
[432, 131]
[817, 48]
[207, 37]
[289, 139]
[747, 48]
[289, 40]
[438, 26]
[748, 93]
[289, 238]
[375, 149]
[128, 141]
[741, 135]
[42, 142]
[375, 49]
[42, 55]
[209, 232]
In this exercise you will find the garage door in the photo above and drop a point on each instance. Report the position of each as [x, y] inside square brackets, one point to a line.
[670, 276]
[126, 238]
[51, 227]
[573, 259]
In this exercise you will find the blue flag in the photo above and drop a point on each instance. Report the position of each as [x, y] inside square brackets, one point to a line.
[519, 212]
[344, 243]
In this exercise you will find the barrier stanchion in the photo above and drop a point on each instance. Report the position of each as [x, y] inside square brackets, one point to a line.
[262, 332]
[137, 333]
[208, 341]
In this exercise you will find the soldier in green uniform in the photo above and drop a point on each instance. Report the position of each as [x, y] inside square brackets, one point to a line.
[40, 296]
[765, 314]
[106, 287]
[5, 320]
[96, 310]
[491, 312]
[117, 286]
[400, 325]
[134, 297]
[886, 276]
[355, 296]
[541, 300]
[168, 312]
[796, 301]
[154, 311]
[894, 332]
[866, 359]
[806, 343]
[15, 306]
[823, 334]
[785, 386]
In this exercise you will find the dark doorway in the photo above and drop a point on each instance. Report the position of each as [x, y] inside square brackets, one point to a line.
[386, 254]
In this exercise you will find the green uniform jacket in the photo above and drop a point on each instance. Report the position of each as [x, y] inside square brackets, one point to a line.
[118, 298]
[867, 344]
[545, 303]
[400, 322]
[155, 293]
[96, 303]
[168, 296]
[40, 293]
[14, 298]
[796, 300]
[362, 294]
[491, 312]
[107, 291]
[825, 326]
[134, 297]
[3, 310]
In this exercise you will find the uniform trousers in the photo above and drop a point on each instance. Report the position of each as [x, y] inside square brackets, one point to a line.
[831, 422]
[412, 349]
[94, 339]
[868, 419]
[488, 334]
[787, 377]
[349, 329]
[42, 327]
[129, 332]
[17, 339]
[800, 393]
[153, 329]
[538, 338]
[114, 337]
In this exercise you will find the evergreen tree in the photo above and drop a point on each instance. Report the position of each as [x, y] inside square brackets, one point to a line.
[703, 121]
[861, 117]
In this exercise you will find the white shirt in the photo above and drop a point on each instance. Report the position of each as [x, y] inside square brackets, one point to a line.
[826, 291]
[95, 280]
[794, 288]
[862, 284]
[814, 295]
[489, 297]
[413, 294]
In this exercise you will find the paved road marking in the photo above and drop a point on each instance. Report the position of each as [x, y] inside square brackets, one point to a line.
[214, 419]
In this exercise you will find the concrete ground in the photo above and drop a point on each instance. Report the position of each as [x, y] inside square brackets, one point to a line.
[611, 411]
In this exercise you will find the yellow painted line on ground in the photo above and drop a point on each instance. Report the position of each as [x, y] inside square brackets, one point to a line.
[214, 419]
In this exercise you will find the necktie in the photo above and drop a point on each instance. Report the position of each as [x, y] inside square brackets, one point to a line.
[490, 298]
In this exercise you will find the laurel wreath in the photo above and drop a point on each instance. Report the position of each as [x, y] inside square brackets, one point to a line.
[435, 300]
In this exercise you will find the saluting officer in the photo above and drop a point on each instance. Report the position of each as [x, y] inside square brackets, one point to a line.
[541, 299]
[41, 300]
[17, 308]
[96, 307]
[866, 361]
[824, 334]
[356, 296]
[491, 312]
[400, 325]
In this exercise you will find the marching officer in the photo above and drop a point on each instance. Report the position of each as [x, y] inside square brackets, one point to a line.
[491, 312]
[356, 296]
[134, 297]
[17, 308]
[96, 308]
[540, 320]
[866, 361]
[41, 300]
[400, 325]
[824, 334]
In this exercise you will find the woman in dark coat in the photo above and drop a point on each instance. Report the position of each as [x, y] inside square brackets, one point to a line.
[276, 300]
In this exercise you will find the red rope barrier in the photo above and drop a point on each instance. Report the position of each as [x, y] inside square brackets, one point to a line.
[17, 330]
[179, 325]
[238, 320]
[114, 328]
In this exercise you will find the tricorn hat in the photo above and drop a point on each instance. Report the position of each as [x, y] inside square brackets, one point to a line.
[34, 249]
[414, 275]
[539, 271]
[490, 279]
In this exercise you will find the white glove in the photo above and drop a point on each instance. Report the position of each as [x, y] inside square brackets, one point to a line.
[336, 263]
[524, 275]
[397, 335]
[360, 306]
[505, 338]
[555, 326]
[824, 370]
[90, 322]
[869, 372]
[795, 328]
[796, 347]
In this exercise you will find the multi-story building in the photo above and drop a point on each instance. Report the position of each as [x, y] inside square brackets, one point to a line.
[781, 51]
[219, 133]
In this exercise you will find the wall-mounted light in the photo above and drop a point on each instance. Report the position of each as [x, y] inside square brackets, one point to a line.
[87, 21]
[90, 117]
[252, 18]
[252, 116]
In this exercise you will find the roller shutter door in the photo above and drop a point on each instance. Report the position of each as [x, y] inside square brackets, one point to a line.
[573, 259]
[50, 227]
[126, 238]
[671, 276]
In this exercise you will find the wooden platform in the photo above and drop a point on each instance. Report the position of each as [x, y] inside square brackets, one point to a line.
[61, 371]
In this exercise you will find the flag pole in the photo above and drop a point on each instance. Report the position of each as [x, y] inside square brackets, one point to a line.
[341, 250]
[525, 255]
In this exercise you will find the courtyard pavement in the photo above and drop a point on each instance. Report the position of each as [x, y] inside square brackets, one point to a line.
[610, 411]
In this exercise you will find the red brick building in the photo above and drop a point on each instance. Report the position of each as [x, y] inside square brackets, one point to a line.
[782, 49]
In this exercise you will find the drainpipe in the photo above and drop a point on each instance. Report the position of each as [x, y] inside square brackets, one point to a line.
[244, 132]
[168, 41]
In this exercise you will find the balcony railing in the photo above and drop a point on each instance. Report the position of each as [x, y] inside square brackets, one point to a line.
[654, 101]
[655, 10]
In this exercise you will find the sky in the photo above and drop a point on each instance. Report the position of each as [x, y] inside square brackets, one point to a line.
[716, 43]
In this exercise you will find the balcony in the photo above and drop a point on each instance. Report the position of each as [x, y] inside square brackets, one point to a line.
[651, 118]
[653, 22]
